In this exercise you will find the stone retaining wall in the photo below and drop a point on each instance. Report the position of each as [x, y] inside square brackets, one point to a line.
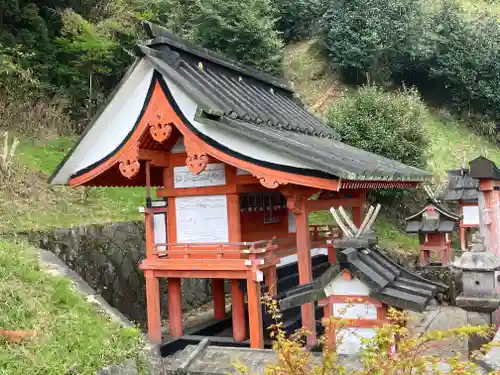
[107, 258]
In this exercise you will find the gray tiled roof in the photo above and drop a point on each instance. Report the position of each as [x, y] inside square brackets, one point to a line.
[328, 155]
[482, 168]
[263, 109]
[233, 90]
[430, 226]
[388, 282]
[444, 223]
[461, 186]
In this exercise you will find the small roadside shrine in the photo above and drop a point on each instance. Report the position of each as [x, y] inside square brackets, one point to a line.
[434, 225]
[488, 175]
[237, 164]
[361, 286]
[462, 188]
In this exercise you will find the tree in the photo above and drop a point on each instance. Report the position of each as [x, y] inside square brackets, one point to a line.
[242, 30]
[374, 37]
[298, 18]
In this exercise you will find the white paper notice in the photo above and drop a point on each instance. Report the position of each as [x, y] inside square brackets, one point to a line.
[160, 230]
[471, 215]
[213, 175]
[202, 219]
[292, 227]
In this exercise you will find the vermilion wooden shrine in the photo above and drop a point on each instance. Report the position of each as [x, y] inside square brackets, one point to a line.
[239, 164]
[488, 175]
[434, 224]
[462, 188]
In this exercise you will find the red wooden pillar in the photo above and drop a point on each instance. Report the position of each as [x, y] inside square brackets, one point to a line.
[238, 311]
[489, 214]
[332, 259]
[305, 266]
[174, 306]
[219, 298]
[255, 313]
[153, 307]
[271, 281]
[237, 296]
[463, 238]
[329, 331]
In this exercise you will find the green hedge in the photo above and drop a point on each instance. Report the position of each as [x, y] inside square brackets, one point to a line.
[385, 123]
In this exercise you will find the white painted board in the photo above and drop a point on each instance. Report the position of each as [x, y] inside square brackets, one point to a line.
[292, 226]
[213, 175]
[351, 339]
[202, 219]
[471, 215]
[160, 230]
[364, 311]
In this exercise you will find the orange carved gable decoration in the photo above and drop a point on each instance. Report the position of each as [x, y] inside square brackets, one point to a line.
[159, 119]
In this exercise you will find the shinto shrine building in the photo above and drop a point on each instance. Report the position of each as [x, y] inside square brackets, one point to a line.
[238, 164]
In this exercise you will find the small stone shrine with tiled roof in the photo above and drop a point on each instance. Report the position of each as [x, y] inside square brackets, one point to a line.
[434, 224]
[463, 189]
[235, 160]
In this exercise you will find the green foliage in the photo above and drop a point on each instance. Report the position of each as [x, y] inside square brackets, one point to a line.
[373, 37]
[450, 54]
[389, 124]
[298, 18]
[466, 65]
[375, 356]
[244, 31]
[71, 335]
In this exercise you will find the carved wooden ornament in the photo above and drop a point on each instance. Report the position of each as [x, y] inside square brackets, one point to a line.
[159, 129]
[197, 159]
[293, 203]
[129, 164]
[269, 182]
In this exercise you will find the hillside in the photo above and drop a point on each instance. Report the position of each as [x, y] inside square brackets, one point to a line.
[450, 140]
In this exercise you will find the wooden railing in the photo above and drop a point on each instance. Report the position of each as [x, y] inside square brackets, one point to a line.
[219, 250]
[323, 232]
[263, 249]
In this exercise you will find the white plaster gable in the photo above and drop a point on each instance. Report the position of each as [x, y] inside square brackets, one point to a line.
[113, 125]
[340, 286]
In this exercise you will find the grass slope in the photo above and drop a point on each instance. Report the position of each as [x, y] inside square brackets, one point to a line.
[33, 204]
[450, 140]
[71, 335]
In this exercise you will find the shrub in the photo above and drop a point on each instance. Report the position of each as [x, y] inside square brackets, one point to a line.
[298, 18]
[242, 30]
[411, 356]
[374, 37]
[385, 123]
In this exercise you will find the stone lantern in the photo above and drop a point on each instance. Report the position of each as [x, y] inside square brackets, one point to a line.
[479, 278]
